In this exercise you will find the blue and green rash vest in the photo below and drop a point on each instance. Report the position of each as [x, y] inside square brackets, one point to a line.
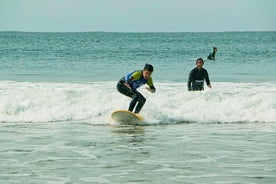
[136, 79]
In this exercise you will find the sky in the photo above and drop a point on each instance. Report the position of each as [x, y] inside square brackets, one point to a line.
[137, 15]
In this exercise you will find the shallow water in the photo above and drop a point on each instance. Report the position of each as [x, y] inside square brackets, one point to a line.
[76, 152]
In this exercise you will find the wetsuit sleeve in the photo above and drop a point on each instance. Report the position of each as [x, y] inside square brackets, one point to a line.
[150, 84]
[190, 80]
[136, 75]
[207, 78]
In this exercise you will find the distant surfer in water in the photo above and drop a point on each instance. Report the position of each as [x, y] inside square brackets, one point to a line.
[212, 55]
[197, 77]
[128, 86]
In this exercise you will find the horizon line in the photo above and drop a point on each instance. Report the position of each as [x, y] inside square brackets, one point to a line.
[133, 31]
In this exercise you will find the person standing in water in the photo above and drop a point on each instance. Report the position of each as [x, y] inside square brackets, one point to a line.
[212, 55]
[197, 77]
[128, 85]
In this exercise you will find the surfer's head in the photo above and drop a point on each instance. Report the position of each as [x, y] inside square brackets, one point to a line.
[199, 63]
[148, 69]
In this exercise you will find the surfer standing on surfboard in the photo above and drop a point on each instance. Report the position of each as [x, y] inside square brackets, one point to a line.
[128, 86]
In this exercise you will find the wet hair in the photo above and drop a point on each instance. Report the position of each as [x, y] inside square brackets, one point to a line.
[148, 67]
[200, 59]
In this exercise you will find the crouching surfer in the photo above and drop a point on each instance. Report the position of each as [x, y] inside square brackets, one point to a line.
[128, 85]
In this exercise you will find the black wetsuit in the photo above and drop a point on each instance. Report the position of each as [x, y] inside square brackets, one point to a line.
[212, 56]
[196, 79]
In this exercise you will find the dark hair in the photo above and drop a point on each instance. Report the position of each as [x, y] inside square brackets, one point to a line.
[200, 59]
[148, 67]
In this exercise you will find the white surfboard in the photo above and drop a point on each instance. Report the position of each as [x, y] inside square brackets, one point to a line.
[127, 117]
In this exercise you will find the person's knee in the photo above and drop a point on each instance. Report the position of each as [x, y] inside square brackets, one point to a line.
[118, 86]
[142, 99]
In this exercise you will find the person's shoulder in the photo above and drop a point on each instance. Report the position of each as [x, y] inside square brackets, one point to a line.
[137, 72]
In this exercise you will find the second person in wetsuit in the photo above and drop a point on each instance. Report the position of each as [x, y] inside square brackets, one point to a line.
[128, 86]
[197, 77]
[212, 55]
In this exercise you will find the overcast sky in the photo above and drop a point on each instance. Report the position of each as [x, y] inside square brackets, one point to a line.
[137, 15]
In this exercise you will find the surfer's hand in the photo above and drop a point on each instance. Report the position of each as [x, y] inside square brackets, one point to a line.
[150, 90]
[209, 86]
[127, 85]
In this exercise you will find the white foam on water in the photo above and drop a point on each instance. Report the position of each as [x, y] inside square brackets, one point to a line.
[172, 103]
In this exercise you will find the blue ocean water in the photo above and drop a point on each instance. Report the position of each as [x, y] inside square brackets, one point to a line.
[58, 90]
[50, 72]
[98, 56]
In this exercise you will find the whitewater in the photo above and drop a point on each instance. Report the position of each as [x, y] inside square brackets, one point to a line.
[94, 102]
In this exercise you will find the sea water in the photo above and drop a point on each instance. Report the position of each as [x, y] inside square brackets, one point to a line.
[57, 91]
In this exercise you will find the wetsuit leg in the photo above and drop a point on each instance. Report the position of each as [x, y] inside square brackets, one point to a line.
[133, 103]
[135, 95]
[125, 90]
[141, 101]
[128, 92]
[197, 86]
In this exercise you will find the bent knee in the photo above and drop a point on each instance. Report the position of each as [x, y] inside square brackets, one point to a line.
[142, 99]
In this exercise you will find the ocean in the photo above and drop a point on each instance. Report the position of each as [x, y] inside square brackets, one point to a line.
[58, 90]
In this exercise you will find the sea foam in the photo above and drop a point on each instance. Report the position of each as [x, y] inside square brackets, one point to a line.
[172, 103]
